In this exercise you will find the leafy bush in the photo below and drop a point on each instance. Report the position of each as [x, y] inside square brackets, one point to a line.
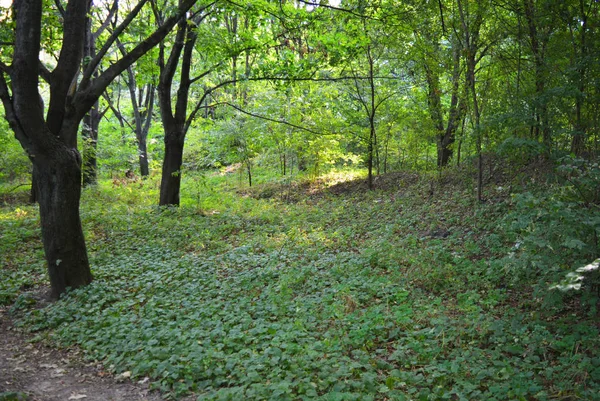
[556, 230]
[14, 163]
[519, 150]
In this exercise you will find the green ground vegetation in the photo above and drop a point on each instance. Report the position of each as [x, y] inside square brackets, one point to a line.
[319, 289]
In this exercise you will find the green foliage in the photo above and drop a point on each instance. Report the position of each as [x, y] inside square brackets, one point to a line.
[14, 165]
[13, 396]
[355, 296]
[22, 256]
[520, 150]
[557, 230]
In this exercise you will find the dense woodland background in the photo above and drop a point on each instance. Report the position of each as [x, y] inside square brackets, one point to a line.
[377, 199]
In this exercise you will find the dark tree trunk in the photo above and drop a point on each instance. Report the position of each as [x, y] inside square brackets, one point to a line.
[142, 136]
[33, 197]
[371, 112]
[171, 170]
[59, 183]
[91, 121]
[370, 160]
[89, 134]
[143, 156]
[249, 171]
[174, 121]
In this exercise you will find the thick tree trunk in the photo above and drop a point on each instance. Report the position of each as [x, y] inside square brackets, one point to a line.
[59, 183]
[171, 171]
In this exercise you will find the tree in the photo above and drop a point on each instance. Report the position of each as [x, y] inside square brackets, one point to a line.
[51, 141]
[440, 52]
[179, 61]
[176, 121]
[91, 121]
[471, 22]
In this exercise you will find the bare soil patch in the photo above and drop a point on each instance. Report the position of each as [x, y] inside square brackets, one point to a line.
[42, 373]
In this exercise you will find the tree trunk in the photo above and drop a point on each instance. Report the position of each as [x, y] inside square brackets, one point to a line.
[33, 197]
[579, 136]
[538, 47]
[91, 121]
[171, 171]
[143, 156]
[249, 170]
[370, 160]
[89, 133]
[59, 183]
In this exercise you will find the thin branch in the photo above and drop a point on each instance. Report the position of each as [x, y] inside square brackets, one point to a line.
[60, 8]
[111, 14]
[18, 186]
[381, 101]
[275, 120]
[116, 111]
[93, 64]
[45, 73]
[87, 96]
[346, 10]
[10, 115]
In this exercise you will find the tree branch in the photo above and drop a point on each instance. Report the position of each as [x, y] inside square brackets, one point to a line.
[111, 13]
[276, 120]
[63, 76]
[45, 73]
[60, 8]
[93, 64]
[88, 95]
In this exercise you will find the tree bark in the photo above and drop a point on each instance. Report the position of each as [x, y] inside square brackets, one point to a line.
[59, 183]
[91, 121]
[175, 122]
[171, 171]
[33, 197]
[89, 134]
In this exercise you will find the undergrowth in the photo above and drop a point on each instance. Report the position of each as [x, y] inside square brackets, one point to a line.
[325, 291]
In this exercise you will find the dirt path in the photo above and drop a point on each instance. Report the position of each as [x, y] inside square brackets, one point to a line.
[46, 374]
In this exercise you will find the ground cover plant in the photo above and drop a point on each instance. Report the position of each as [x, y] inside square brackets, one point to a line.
[318, 290]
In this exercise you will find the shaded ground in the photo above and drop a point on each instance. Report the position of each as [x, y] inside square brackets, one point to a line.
[40, 373]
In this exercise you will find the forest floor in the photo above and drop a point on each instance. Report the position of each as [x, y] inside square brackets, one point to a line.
[33, 371]
[314, 289]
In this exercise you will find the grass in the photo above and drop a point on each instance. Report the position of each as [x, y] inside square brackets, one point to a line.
[308, 291]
